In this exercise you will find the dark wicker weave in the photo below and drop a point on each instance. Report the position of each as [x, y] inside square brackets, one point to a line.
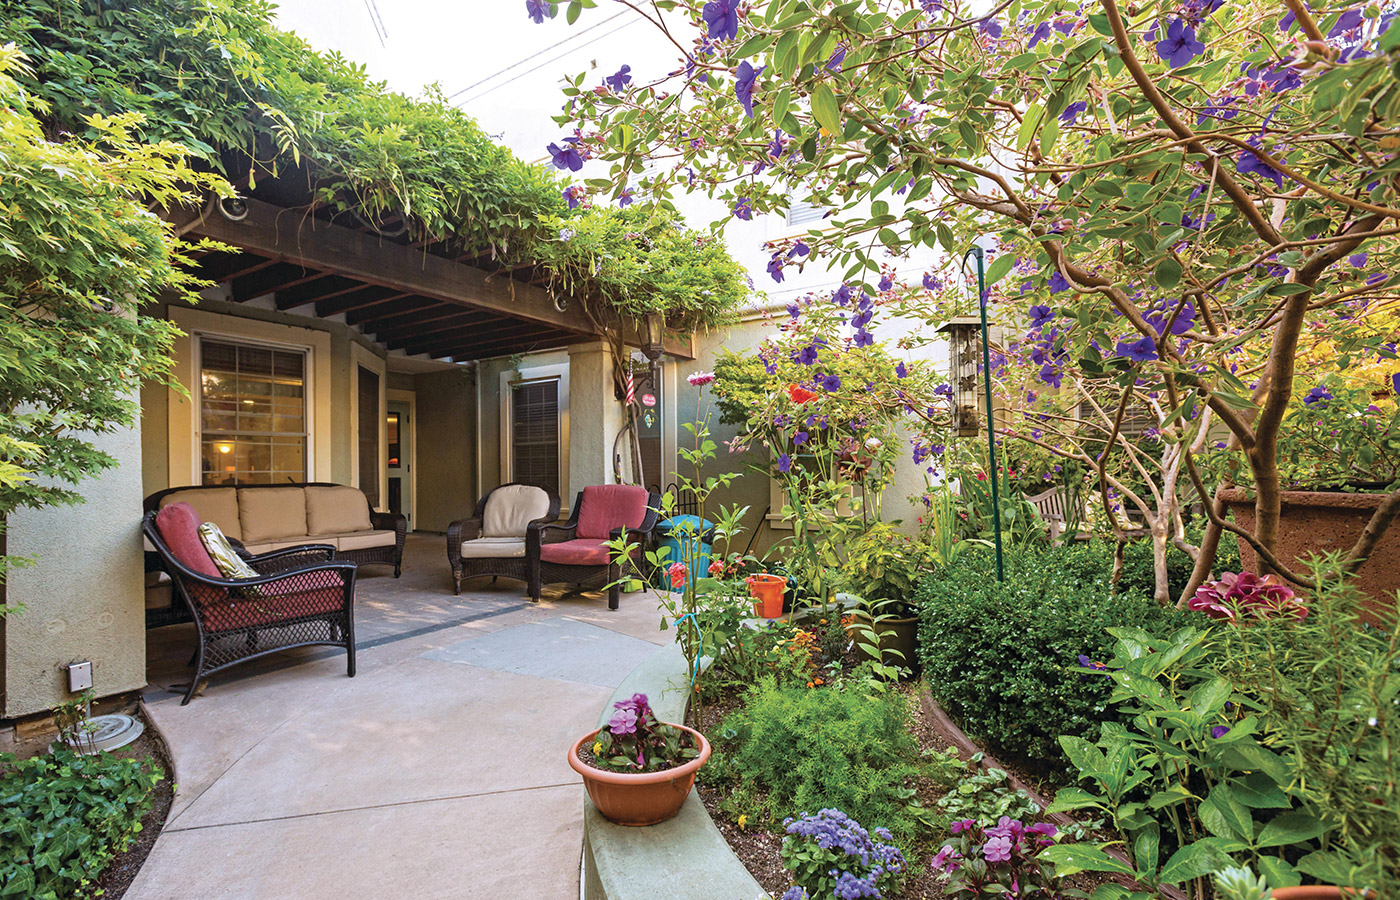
[301, 599]
[542, 573]
[470, 529]
[388, 555]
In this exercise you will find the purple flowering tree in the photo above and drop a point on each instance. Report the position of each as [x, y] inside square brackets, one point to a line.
[1188, 182]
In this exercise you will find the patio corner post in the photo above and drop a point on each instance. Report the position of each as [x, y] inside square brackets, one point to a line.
[977, 253]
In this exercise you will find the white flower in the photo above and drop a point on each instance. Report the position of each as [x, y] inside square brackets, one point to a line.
[873, 443]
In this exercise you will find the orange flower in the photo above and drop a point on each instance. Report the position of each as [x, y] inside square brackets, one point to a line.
[799, 394]
[809, 684]
[819, 681]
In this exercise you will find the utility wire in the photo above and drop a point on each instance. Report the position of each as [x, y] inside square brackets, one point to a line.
[545, 50]
[377, 21]
[547, 62]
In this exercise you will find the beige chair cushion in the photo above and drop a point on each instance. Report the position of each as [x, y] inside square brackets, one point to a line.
[510, 509]
[270, 514]
[336, 510]
[494, 547]
[217, 505]
[359, 540]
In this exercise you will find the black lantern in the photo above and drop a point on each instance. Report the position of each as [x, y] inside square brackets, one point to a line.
[651, 330]
[964, 362]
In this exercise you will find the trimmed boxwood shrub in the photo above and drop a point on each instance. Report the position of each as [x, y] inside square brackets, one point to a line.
[1002, 658]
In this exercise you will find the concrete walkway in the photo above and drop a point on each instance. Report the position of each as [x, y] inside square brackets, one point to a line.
[437, 772]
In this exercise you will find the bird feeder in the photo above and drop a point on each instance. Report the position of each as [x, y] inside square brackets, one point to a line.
[964, 365]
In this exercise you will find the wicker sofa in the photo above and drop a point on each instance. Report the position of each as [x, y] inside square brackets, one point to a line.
[261, 518]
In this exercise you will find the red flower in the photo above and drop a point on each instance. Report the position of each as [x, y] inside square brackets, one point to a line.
[679, 575]
[798, 394]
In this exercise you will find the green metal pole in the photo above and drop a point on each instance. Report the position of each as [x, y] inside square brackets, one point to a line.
[976, 251]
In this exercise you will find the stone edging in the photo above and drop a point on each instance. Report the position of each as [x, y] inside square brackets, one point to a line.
[685, 858]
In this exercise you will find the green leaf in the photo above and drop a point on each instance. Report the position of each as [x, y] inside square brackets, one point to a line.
[826, 110]
[1146, 845]
[1168, 273]
[1277, 872]
[1291, 828]
[1195, 860]
[1071, 858]
[999, 267]
[1226, 817]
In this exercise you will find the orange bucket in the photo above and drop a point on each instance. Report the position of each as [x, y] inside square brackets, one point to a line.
[767, 591]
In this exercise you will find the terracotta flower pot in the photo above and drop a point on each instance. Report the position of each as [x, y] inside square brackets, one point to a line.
[1311, 892]
[1313, 521]
[641, 798]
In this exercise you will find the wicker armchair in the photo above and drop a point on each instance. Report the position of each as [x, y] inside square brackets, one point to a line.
[301, 598]
[576, 551]
[492, 542]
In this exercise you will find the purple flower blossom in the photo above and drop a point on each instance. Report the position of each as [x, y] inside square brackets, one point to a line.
[572, 195]
[944, 390]
[619, 80]
[830, 382]
[743, 87]
[1219, 731]
[961, 825]
[799, 249]
[806, 356]
[775, 267]
[1358, 260]
[784, 463]
[625, 198]
[842, 295]
[944, 859]
[997, 849]
[775, 149]
[932, 282]
[864, 338]
[990, 27]
[886, 282]
[721, 17]
[743, 209]
[901, 370]
[1058, 282]
[566, 157]
[539, 10]
[1395, 382]
[1041, 33]
[794, 310]
[1248, 162]
[1071, 113]
[800, 438]
[1040, 315]
[1179, 46]
[1318, 395]
[624, 721]
[838, 56]
[1141, 350]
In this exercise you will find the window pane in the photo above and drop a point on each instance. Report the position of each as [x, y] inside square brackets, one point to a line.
[535, 433]
[252, 414]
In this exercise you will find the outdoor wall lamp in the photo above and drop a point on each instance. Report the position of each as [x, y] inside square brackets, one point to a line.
[651, 329]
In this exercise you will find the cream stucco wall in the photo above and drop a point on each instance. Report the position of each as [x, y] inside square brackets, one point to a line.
[83, 593]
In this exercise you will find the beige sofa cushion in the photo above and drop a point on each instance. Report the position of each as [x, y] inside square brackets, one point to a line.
[217, 505]
[360, 540]
[270, 514]
[269, 546]
[336, 510]
[494, 548]
[510, 509]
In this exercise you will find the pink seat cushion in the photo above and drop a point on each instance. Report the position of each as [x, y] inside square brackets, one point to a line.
[178, 525]
[609, 506]
[230, 612]
[580, 552]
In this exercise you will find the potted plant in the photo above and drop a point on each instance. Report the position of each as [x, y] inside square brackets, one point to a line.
[1338, 459]
[637, 770]
[882, 567]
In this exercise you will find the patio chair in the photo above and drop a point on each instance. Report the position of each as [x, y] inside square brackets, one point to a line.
[301, 597]
[492, 542]
[576, 551]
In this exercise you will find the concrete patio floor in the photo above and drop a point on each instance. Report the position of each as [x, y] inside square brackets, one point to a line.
[437, 772]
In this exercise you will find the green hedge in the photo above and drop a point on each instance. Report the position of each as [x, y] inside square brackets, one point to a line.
[64, 817]
[1002, 658]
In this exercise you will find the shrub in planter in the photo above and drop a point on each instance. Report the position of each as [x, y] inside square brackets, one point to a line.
[791, 749]
[831, 856]
[1001, 657]
[64, 817]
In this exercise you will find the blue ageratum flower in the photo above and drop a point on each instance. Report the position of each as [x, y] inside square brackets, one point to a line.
[567, 156]
[539, 10]
[619, 81]
[721, 18]
[743, 87]
[1179, 46]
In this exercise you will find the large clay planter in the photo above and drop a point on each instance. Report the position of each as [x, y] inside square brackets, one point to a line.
[1313, 892]
[1313, 521]
[643, 798]
[901, 635]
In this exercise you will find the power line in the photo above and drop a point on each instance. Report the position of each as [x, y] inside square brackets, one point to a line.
[377, 21]
[534, 55]
[546, 62]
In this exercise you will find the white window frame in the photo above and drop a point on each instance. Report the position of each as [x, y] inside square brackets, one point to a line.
[197, 394]
[508, 380]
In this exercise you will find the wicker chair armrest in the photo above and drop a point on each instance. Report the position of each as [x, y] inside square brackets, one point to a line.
[540, 533]
[464, 530]
[276, 561]
[385, 521]
[285, 576]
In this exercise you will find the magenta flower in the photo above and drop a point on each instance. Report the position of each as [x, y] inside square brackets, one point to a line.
[624, 721]
[997, 849]
[697, 379]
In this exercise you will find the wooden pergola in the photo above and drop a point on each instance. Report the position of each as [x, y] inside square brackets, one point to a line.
[421, 298]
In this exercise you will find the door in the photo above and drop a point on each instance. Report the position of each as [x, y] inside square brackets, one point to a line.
[369, 413]
[400, 461]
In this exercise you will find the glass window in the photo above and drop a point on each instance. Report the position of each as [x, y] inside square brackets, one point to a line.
[535, 433]
[252, 414]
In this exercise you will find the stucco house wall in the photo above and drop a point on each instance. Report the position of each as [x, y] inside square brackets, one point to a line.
[82, 594]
